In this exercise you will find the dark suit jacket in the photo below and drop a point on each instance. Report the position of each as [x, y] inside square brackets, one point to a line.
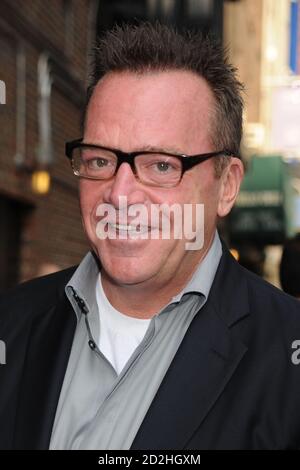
[231, 385]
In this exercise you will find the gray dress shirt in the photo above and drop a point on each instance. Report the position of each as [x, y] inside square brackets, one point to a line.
[99, 409]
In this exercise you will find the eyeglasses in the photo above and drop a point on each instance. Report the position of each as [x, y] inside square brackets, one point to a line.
[160, 169]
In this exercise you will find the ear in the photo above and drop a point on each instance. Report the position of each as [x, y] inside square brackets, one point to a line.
[230, 184]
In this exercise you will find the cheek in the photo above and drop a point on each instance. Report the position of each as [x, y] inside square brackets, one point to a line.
[89, 200]
[203, 189]
[90, 195]
[196, 190]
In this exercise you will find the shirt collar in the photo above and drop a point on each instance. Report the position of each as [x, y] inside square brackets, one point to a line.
[83, 282]
[203, 277]
[85, 278]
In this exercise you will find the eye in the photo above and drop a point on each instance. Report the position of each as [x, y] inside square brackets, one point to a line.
[97, 163]
[163, 167]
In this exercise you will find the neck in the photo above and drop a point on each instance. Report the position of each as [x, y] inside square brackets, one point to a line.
[140, 301]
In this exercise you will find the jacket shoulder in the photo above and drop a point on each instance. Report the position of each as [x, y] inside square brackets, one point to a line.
[35, 295]
[271, 298]
[274, 318]
[238, 292]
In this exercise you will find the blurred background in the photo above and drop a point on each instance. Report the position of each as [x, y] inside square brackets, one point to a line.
[44, 60]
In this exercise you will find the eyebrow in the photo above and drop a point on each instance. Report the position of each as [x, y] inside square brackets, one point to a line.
[151, 148]
[144, 148]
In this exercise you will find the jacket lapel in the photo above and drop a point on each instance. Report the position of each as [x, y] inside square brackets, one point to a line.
[205, 362]
[43, 375]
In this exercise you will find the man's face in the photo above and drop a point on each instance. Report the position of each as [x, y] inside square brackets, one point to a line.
[169, 111]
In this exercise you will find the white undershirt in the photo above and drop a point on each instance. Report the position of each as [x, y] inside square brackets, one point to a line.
[119, 334]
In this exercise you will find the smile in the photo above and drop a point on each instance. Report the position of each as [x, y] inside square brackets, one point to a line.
[129, 228]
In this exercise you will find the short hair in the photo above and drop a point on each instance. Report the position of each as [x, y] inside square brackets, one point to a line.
[158, 47]
[289, 269]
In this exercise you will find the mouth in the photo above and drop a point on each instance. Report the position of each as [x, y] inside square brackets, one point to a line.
[129, 231]
[129, 228]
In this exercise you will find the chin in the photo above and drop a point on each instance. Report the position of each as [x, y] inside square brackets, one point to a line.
[127, 276]
[125, 270]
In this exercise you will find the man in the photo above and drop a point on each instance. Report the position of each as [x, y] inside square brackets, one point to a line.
[151, 343]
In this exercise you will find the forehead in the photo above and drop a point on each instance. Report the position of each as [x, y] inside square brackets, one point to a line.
[170, 103]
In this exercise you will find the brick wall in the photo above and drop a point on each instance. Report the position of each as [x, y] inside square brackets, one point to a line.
[51, 232]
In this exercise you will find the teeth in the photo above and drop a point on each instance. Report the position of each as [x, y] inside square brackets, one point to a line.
[128, 228]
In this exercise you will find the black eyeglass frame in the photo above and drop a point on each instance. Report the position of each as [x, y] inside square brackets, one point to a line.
[187, 161]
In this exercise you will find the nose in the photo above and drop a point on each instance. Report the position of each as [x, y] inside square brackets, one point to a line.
[124, 183]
